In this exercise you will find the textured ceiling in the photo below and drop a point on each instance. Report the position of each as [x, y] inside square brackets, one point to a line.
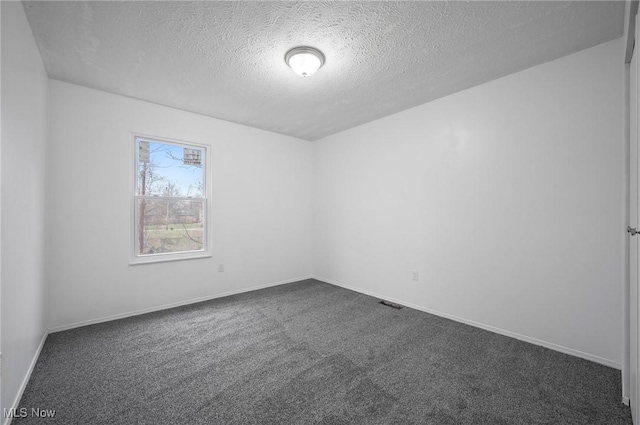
[226, 59]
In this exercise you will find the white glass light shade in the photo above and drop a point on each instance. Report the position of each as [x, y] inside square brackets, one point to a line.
[304, 60]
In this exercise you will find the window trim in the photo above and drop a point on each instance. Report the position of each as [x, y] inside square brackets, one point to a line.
[134, 258]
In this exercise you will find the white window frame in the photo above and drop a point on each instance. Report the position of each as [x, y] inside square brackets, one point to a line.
[135, 258]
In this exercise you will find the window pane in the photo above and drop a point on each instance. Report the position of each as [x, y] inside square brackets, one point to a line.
[164, 226]
[169, 170]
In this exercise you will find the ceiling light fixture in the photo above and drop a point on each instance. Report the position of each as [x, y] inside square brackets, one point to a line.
[304, 60]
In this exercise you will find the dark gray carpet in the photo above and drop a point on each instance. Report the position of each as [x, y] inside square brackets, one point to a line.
[310, 352]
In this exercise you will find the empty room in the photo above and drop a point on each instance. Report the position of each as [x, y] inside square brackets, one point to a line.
[284, 212]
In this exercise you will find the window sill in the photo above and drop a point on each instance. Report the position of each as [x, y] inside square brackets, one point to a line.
[154, 260]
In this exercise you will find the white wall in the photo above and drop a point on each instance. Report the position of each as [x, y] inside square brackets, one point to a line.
[506, 197]
[261, 208]
[24, 145]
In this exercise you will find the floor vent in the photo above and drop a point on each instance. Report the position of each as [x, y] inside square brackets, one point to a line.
[390, 304]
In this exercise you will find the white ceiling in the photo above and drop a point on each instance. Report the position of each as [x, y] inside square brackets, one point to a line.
[226, 59]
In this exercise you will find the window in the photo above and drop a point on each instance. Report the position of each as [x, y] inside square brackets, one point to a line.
[170, 200]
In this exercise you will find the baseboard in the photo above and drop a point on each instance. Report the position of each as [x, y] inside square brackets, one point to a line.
[625, 401]
[25, 381]
[546, 344]
[171, 305]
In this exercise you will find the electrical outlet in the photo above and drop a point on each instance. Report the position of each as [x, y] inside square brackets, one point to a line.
[220, 268]
[414, 274]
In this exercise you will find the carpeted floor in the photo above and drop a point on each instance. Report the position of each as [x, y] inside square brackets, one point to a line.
[309, 352]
